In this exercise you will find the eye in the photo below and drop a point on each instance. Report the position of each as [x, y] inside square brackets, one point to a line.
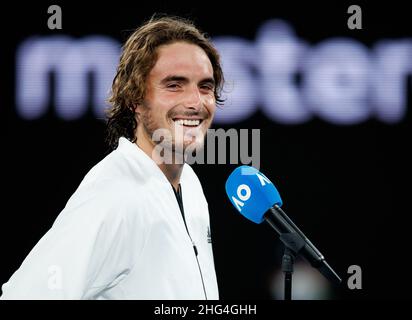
[207, 87]
[173, 86]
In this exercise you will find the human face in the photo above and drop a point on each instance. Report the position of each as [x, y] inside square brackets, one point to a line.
[179, 97]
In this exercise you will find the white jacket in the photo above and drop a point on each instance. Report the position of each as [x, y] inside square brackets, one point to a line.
[122, 236]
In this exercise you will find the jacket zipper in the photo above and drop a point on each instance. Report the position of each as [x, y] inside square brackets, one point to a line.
[198, 264]
[193, 243]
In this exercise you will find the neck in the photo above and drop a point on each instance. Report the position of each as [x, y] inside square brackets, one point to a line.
[172, 171]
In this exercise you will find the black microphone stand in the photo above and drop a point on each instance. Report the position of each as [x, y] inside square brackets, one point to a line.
[287, 267]
[296, 243]
[293, 244]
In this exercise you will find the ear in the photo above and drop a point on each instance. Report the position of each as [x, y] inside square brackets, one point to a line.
[137, 108]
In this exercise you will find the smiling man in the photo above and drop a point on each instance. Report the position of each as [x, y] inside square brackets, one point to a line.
[138, 227]
[179, 104]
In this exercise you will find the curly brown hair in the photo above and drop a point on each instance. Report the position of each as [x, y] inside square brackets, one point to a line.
[139, 55]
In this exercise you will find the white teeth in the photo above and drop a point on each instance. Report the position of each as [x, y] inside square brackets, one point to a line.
[185, 122]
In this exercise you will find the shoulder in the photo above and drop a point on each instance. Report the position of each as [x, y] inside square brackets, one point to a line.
[105, 197]
[190, 176]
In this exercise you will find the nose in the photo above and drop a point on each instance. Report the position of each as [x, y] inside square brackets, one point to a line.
[193, 99]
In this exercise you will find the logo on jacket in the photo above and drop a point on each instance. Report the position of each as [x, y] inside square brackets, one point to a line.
[209, 235]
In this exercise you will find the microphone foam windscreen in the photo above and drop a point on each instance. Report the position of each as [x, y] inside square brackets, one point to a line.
[251, 193]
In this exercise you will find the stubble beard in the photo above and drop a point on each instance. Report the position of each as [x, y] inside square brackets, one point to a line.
[166, 139]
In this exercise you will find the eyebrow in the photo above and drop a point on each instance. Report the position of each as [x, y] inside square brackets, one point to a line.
[186, 80]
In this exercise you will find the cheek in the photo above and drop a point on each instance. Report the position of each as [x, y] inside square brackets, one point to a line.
[160, 107]
[167, 101]
[210, 104]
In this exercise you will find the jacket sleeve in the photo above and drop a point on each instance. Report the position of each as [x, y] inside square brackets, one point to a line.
[85, 251]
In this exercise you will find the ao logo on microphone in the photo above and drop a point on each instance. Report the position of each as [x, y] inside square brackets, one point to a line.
[244, 192]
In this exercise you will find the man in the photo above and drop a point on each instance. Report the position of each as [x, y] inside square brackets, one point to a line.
[137, 227]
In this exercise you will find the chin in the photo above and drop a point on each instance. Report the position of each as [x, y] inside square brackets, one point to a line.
[189, 145]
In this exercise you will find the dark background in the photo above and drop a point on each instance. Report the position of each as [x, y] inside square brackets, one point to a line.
[344, 186]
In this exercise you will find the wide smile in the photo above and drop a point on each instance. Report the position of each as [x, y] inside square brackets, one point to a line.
[192, 123]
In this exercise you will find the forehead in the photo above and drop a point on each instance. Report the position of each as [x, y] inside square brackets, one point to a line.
[182, 59]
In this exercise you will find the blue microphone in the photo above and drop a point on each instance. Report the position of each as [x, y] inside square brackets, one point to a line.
[258, 200]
